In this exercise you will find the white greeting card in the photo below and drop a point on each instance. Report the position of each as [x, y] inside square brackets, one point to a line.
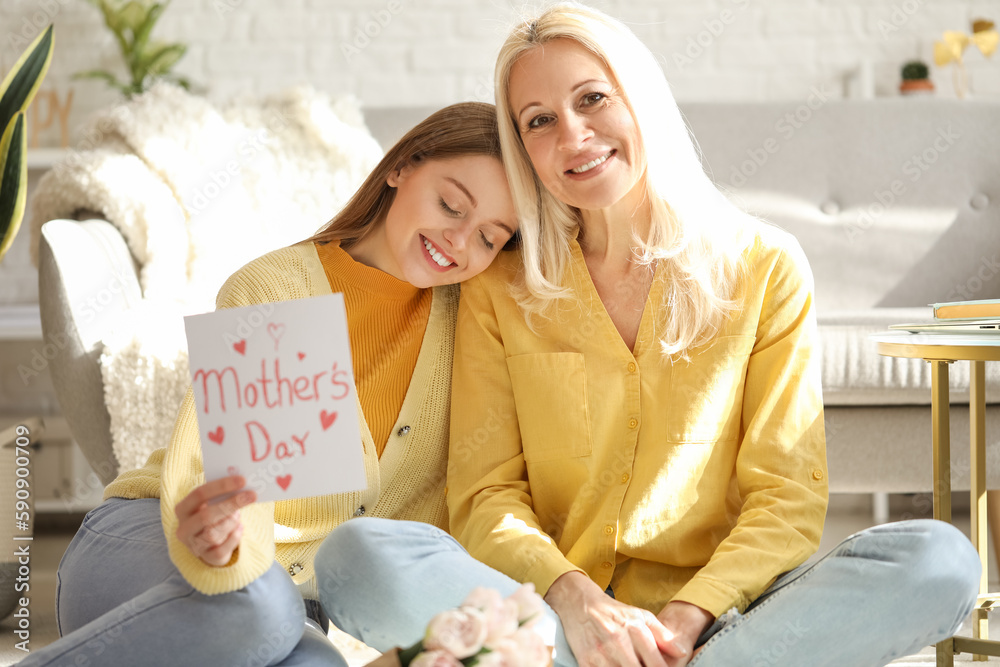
[274, 390]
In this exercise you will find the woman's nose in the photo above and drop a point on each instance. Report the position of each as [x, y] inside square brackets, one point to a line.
[457, 235]
[573, 131]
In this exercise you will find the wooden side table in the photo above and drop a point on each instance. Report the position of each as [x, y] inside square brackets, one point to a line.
[941, 350]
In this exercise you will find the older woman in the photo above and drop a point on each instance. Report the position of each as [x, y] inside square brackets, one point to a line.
[637, 421]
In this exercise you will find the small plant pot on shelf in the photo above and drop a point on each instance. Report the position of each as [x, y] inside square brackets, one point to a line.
[916, 87]
[915, 81]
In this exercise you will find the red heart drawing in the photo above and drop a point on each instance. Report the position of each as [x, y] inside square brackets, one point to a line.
[302, 355]
[283, 481]
[276, 331]
[327, 419]
[217, 435]
[240, 347]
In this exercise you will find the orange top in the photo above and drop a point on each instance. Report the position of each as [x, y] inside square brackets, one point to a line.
[386, 318]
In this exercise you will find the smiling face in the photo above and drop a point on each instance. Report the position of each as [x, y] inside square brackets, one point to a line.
[449, 220]
[576, 125]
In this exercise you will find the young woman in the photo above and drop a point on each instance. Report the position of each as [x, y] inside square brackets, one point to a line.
[638, 427]
[168, 571]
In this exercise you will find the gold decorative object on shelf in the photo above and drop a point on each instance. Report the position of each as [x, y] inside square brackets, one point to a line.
[953, 44]
[55, 108]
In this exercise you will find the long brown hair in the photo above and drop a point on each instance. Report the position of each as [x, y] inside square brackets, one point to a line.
[467, 128]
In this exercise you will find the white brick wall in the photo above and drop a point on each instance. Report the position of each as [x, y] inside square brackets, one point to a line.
[391, 52]
[395, 52]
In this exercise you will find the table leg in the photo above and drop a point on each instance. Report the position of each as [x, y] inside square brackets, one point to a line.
[993, 519]
[940, 405]
[977, 459]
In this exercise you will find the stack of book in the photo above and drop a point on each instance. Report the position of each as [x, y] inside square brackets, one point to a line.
[960, 317]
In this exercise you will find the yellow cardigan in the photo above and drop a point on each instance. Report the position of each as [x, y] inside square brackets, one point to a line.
[697, 481]
[407, 482]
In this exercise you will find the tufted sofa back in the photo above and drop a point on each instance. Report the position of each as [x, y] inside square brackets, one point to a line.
[896, 202]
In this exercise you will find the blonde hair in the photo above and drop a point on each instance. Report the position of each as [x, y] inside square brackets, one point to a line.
[467, 128]
[696, 232]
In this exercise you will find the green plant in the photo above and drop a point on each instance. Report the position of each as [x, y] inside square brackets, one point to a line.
[16, 92]
[915, 70]
[146, 60]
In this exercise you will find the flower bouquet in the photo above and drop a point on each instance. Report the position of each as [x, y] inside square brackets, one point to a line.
[486, 630]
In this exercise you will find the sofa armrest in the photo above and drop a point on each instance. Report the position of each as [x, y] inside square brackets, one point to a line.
[87, 281]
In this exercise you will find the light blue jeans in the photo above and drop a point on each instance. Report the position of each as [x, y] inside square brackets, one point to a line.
[882, 593]
[121, 603]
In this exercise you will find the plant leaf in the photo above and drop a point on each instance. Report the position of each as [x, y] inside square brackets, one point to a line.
[101, 74]
[112, 18]
[183, 82]
[142, 32]
[160, 59]
[13, 181]
[22, 82]
[132, 15]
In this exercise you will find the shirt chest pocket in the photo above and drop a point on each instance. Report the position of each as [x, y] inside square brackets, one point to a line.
[550, 394]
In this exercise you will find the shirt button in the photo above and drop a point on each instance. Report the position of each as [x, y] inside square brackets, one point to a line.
[625, 478]
[817, 475]
[631, 367]
[360, 511]
[606, 564]
[403, 430]
[632, 423]
[609, 530]
[295, 568]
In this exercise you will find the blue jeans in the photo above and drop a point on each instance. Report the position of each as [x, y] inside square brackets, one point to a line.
[121, 602]
[882, 593]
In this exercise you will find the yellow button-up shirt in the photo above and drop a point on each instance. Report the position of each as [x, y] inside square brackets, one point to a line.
[699, 481]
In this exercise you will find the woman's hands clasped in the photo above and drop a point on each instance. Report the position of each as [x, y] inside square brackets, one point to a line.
[606, 633]
[210, 527]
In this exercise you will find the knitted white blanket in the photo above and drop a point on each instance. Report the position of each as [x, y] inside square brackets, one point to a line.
[197, 192]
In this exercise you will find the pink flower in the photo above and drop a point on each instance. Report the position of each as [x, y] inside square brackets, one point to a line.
[496, 659]
[460, 632]
[531, 649]
[482, 598]
[435, 659]
[504, 654]
[501, 615]
[530, 605]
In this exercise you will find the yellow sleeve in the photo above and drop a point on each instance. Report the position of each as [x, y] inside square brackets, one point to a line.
[260, 281]
[781, 465]
[489, 499]
[182, 473]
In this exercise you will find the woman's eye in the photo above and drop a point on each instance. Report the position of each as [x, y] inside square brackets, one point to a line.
[538, 121]
[591, 99]
[486, 241]
[448, 209]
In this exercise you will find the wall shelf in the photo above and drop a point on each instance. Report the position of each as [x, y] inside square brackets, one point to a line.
[20, 322]
[45, 158]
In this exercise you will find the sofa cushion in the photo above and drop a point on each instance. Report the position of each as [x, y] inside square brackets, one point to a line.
[854, 373]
